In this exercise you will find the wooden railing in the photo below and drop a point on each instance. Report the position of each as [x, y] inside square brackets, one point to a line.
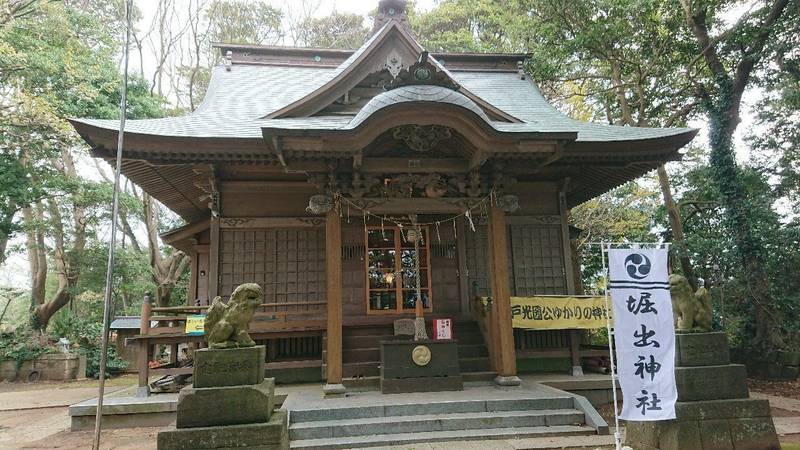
[292, 333]
[268, 317]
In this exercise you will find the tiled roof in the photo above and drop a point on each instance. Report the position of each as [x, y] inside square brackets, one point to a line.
[237, 100]
[416, 93]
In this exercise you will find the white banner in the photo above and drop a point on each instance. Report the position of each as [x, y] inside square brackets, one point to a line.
[644, 332]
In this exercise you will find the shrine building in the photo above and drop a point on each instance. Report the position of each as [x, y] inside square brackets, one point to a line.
[306, 170]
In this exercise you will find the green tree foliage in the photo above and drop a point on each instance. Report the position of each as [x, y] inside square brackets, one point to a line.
[730, 60]
[337, 30]
[64, 66]
[242, 22]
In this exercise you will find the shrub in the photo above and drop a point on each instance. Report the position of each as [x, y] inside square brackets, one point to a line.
[23, 345]
[87, 334]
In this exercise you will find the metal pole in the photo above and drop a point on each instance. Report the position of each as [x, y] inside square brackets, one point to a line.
[114, 219]
[617, 437]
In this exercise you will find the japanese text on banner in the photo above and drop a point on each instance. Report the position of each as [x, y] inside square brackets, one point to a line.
[644, 332]
[558, 313]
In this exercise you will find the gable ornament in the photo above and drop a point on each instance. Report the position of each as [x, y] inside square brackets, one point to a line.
[422, 72]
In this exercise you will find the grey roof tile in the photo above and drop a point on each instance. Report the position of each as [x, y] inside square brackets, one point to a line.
[237, 101]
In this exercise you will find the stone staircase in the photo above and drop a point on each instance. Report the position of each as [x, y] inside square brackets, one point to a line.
[361, 353]
[432, 421]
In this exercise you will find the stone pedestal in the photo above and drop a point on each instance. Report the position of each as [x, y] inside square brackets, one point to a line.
[230, 405]
[714, 410]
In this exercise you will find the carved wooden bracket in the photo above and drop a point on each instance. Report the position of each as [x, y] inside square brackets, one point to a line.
[207, 182]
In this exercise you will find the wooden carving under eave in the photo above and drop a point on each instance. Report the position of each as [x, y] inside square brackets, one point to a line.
[421, 138]
[207, 182]
[422, 72]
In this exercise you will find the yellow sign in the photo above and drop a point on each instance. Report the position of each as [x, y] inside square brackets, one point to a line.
[558, 312]
[195, 324]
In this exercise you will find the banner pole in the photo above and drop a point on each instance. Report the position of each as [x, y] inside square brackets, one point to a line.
[617, 439]
[98, 420]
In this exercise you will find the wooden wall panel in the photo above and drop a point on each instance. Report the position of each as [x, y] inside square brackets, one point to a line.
[353, 275]
[536, 257]
[444, 272]
[288, 263]
[537, 260]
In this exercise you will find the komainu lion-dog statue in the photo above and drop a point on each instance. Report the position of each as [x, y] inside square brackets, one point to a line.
[692, 311]
[226, 324]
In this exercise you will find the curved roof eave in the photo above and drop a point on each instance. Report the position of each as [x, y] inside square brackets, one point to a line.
[362, 54]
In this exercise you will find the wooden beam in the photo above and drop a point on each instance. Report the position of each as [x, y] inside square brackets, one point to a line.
[213, 260]
[414, 165]
[504, 333]
[333, 277]
[401, 206]
[270, 222]
[250, 187]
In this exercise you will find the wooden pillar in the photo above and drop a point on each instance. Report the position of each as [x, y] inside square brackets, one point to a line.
[143, 356]
[333, 291]
[575, 336]
[503, 335]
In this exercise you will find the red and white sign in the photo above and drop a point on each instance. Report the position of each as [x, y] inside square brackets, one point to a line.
[443, 329]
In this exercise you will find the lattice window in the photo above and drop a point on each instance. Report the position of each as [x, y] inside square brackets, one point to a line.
[391, 274]
[535, 259]
[289, 264]
[538, 262]
[477, 262]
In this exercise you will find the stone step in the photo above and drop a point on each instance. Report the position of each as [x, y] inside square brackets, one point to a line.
[373, 368]
[375, 382]
[441, 407]
[433, 422]
[360, 355]
[479, 364]
[487, 375]
[440, 436]
[472, 350]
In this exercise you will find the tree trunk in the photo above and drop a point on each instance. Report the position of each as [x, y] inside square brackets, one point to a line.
[67, 260]
[37, 259]
[677, 227]
[166, 271]
[749, 247]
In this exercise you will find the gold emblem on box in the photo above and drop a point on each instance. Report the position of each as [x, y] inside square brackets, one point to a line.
[421, 355]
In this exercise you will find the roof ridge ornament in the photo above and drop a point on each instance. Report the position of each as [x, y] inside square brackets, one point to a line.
[389, 10]
[422, 72]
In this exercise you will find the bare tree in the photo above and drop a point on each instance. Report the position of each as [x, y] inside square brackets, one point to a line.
[166, 30]
[297, 12]
[68, 246]
[167, 269]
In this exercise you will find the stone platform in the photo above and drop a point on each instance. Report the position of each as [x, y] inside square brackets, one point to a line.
[714, 410]
[230, 405]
